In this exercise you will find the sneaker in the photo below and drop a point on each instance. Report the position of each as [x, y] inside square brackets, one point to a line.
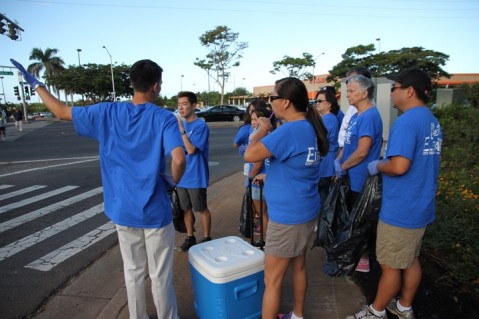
[366, 313]
[188, 243]
[285, 315]
[363, 265]
[392, 308]
[205, 239]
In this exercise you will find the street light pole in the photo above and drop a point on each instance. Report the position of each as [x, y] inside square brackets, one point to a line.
[3, 89]
[379, 44]
[314, 76]
[79, 50]
[181, 82]
[22, 92]
[112, 78]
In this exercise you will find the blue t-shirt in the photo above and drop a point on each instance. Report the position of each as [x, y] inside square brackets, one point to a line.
[326, 168]
[197, 172]
[242, 136]
[133, 142]
[291, 188]
[408, 199]
[367, 124]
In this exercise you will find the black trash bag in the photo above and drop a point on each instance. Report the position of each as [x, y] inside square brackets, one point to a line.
[345, 247]
[177, 212]
[334, 213]
[245, 215]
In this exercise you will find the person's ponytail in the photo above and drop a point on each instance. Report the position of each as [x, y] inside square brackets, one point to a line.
[313, 116]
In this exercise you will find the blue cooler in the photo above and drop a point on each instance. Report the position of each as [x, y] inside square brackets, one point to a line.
[228, 279]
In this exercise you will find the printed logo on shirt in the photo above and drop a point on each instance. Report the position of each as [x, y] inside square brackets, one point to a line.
[347, 134]
[433, 142]
[313, 156]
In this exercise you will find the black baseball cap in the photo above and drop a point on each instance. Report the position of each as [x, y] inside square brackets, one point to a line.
[328, 88]
[414, 77]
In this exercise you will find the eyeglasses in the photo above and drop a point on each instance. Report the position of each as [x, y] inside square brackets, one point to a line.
[397, 87]
[321, 101]
[275, 97]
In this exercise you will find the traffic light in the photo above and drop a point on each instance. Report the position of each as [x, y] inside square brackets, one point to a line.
[2, 30]
[13, 31]
[27, 92]
[32, 91]
[15, 89]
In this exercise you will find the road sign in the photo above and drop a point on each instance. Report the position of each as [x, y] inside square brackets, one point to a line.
[6, 73]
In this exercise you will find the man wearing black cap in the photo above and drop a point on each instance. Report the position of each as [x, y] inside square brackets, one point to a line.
[410, 171]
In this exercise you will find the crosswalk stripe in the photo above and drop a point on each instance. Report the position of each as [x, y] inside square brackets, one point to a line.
[28, 241]
[30, 200]
[56, 257]
[21, 191]
[5, 186]
[47, 210]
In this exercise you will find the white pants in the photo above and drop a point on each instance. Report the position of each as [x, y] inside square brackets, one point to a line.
[19, 125]
[155, 246]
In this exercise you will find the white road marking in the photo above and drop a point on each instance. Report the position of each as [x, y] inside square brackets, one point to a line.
[58, 256]
[30, 200]
[46, 167]
[50, 160]
[33, 239]
[5, 186]
[48, 209]
[21, 191]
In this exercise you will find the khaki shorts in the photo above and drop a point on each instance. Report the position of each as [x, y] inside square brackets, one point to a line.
[288, 241]
[397, 247]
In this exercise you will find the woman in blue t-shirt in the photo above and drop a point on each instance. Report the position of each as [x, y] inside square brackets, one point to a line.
[293, 151]
[362, 141]
[327, 105]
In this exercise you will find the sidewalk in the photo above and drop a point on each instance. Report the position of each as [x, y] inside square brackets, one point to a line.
[99, 291]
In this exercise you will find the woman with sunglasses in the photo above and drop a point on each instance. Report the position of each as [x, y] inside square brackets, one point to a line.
[327, 105]
[293, 153]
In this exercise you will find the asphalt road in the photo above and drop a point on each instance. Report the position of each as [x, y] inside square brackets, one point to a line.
[51, 214]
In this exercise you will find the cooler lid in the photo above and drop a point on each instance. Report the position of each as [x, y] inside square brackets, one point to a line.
[225, 257]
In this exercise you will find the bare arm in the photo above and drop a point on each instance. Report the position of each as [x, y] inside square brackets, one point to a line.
[190, 148]
[57, 107]
[178, 163]
[256, 151]
[364, 145]
[394, 166]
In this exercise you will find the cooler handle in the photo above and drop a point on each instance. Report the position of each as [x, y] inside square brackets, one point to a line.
[246, 290]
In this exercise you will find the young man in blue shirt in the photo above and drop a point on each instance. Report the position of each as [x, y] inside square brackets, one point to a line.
[193, 184]
[134, 138]
[410, 172]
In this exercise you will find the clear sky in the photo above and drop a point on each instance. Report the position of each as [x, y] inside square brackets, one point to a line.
[168, 31]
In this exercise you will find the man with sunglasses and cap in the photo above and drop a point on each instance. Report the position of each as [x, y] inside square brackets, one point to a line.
[410, 172]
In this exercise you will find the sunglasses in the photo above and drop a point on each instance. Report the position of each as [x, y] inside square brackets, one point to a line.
[275, 97]
[320, 101]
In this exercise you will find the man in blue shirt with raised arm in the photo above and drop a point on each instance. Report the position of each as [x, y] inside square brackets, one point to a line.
[134, 139]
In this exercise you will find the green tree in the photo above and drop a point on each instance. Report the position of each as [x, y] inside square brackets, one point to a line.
[472, 93]
[295, 67]
[225, 51]
[390, 62]
[46, 61]
[93, 81]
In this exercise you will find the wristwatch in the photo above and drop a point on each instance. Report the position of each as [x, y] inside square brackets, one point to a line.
[183, 133]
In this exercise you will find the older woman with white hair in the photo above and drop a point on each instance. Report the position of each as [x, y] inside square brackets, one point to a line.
[363, 140]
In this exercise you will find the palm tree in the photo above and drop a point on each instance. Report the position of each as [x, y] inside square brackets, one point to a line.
[45, 60]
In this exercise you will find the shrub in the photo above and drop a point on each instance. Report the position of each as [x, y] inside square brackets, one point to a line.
[452, 237]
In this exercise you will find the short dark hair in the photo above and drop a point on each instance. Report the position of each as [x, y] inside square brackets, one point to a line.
[144, 74]
[190, 95]
[361, 70]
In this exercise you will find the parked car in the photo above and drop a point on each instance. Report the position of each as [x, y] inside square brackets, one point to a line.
[222, 113]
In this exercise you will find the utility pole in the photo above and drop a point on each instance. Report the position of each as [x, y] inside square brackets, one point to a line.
[22, 89]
